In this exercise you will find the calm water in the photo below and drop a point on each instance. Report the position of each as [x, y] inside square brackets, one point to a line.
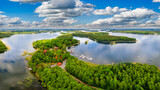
[12, 63]
[13, 67]
[145, 50]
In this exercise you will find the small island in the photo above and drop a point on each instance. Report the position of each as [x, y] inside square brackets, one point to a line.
[145, 32]
[105, 38]
[3, 47]
[55, 68]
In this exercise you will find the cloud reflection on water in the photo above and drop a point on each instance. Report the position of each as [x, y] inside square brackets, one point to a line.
[145, 50]
[12, 65]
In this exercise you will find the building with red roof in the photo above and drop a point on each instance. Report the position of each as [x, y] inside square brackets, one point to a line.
[59, 64]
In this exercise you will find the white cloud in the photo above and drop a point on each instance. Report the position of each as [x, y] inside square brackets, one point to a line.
[109, 11]
[69, 21]
[28, 1]
[156, 0]
[58, 11]
[61, 13]
[127, 17]
[1, 12]
[14, 20]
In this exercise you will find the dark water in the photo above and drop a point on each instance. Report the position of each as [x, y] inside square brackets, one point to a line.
[12, 63]
[145, 50]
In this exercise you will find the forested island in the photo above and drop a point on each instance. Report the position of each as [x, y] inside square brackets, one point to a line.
[3, 47]
[5, 34]
[145, 32]
[50, 52]
[56, 69]
[105, 38]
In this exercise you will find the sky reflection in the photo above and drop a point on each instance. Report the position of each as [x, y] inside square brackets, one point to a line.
[145, 50]
[12, 63]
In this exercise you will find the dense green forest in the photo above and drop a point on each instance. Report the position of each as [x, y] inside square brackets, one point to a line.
[56, 78]
[51, 51]
[3, 47]
[101, 37]
[48, 53]
[138, 32]
[123, 76]
[5, 34]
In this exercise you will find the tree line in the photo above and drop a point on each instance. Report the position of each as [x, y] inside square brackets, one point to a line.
[5, 34]
[50, 52]
[101, 37]
[57, 79]
[123, 76]
[3, 47]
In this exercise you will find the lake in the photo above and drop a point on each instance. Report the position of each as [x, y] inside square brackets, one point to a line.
[13, 64]
[145, 50]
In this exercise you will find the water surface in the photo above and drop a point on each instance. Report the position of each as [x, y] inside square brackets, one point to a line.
[145, 50]
[12, 63]
[13, 67]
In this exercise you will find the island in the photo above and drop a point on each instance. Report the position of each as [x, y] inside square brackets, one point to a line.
[145, 32]
[3, 47]
[105, 38]
[5, 34]
[56, 69]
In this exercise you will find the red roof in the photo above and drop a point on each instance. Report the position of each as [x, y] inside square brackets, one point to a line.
[56, 48]
[59, 64]
[45, 51]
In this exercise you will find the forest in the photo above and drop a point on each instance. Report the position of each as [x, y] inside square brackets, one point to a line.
[5, 34]
[3, 47]
[57, 79]
[122, 76]
[101, 37]
[145, 32]
[50, 52]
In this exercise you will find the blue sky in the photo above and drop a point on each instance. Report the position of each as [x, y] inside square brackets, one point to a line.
[24, 11]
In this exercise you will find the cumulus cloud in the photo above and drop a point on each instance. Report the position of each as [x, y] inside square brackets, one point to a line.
[109, 11]
[1, 12]
[61, 14]
[127, 17]
[156, 0]
[6, 21]
[69, 21]
[152, 23]
[14, 20]
[28, 1]
[58, 11]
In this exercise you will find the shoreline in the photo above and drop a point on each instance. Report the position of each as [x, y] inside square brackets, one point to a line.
[35, 68]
